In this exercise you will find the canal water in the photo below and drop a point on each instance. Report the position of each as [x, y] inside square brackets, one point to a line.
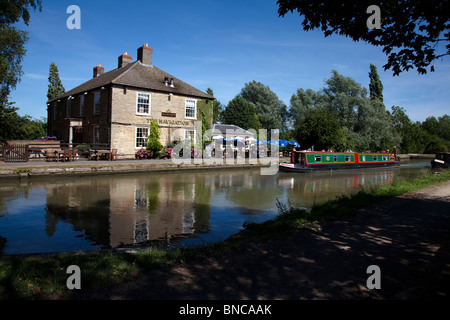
[55, 214]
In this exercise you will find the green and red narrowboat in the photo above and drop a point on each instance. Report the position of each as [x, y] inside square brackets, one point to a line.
[309, 161]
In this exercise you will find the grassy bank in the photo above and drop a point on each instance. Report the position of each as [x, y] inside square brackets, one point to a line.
[44, 277]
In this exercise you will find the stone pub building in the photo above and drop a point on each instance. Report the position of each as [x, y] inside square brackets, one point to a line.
[115, 108]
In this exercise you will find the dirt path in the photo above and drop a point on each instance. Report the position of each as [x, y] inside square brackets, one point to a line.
[407, 237]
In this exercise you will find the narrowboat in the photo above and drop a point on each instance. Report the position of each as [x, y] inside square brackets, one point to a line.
[442, 160]
[309, 161]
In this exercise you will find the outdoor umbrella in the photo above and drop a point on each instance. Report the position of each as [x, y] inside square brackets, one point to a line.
[282, 143]
[295, 143]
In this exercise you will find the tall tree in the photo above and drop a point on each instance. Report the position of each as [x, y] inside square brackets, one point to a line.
[410, 33]
[55, 86]
[241, 113]
[364, 120]
[413, 137]
[12, 43]
[321, 129]
[268, 106]
[375, 85]
[217, 107]
[13, 11]
[153, 144]
[12, 49]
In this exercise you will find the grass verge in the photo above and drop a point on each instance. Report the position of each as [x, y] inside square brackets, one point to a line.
[45, 277]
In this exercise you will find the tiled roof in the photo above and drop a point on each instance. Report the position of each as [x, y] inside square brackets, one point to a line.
[141, 76]
[233, 129]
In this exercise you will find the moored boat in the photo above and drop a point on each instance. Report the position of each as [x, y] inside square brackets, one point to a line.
[309, 161]
[442, 160]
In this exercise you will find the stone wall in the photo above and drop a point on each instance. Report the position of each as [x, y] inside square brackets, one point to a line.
[167, 110]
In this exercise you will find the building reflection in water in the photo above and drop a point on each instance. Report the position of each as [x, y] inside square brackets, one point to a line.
[130, 210]
[124, 210]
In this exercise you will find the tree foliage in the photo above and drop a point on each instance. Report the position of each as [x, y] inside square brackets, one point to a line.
[12, 43]
[16, 127]
[429, 136]
[364, 119]
[375, 85]
[153, 144]
[241, 113]
[410, 33]
[12, 49]
[55, 86]
[269, 107]
[320, 128]
[217, 107]
[12, 11]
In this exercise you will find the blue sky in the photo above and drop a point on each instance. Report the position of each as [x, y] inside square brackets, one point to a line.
[221, 44]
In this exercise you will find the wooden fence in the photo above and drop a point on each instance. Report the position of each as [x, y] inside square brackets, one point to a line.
[15, 153]
[24, 151]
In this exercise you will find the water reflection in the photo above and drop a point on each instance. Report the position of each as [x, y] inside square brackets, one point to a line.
[61, 214]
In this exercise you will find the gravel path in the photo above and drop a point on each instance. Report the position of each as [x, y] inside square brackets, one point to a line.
[406, 237]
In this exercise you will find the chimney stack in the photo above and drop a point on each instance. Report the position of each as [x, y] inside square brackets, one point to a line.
[124, 60]
[98, 70]
[145, 54]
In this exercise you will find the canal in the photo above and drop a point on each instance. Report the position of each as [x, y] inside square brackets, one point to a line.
[55, 214]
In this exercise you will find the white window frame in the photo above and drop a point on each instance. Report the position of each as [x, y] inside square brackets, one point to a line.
[138, 94]
[145, 138]
[186, 108]
[97, 110]
[191, 136]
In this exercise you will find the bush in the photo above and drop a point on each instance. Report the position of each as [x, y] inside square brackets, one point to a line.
[153, 144]
[166, 152]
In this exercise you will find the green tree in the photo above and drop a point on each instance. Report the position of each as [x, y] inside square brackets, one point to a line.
[153, 144]
[269, 107]
[14, 11]
[444, 127]
[375, 85]
[321, 129]
[363, 118]
[55, 86]
[12, 43]
[217, 107]
[411, 30]
[241, 113]
[413, 138]
[302, 101]
[16, 127]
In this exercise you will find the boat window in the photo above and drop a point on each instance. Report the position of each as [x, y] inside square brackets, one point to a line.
[318, 158]
[385, 158]
[363, 158]
[348, 158]
[335, 158]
